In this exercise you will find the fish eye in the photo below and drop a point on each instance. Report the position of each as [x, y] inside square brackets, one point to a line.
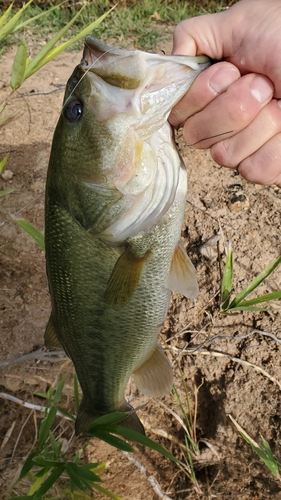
[74, 110]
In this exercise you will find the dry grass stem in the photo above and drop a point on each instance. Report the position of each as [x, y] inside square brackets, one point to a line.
[40, 92]
[175, 415]
[151, 479]
[227, 337]
[219, 354]
[8, 435]
[164, 434]
[40, 354]
[19, 435]
[31, 406]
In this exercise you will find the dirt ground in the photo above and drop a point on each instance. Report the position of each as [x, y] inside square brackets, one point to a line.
[237, 376]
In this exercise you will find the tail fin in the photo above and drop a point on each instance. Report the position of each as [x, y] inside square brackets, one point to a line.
[86, 417]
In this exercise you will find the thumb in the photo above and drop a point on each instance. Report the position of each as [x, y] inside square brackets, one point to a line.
[201, 35]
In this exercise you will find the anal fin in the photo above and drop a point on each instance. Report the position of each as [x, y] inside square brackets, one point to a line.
[124, 278]
[51, 338]
[182, 277]
[155, 376]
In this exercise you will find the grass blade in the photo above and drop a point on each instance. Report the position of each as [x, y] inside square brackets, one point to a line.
[48, 52]
[39, 460]
[112, 440]
[45, 426]
[262, 298]
[106, 492]
[226, 284]
[265, 454]
[255, 283]
[2, 107]
[66, 413]
[10, 25]
[27, 466]
[5, 192]
[18, 68]
[3, 162]
[243, 308]
[74, 479]
[55, 446]
[59, 390]
[7, 118]
[109, 419]
[31, 19]
[76, 391]
[84, 472]
[49, 482]
[5, 16]
[37, 62]
[32, 231]
[78, 37]
[145, 441]
[34, 487]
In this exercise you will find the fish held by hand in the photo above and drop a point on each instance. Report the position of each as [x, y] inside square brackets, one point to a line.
[115, 199]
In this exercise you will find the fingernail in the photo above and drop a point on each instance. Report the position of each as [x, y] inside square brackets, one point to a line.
[221, 80]
[261, 89]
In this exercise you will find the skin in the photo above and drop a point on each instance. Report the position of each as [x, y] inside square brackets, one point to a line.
[239, 96]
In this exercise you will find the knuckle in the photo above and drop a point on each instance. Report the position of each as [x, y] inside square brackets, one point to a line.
[249, 171]
[183, 26]
[239, 111]
[239, 104]
[273, 117]
[222, 153]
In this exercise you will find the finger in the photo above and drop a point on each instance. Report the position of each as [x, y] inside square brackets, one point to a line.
[231, 152]
[230, 112]
[264, 166]
[208, 85]
[200, 35]
[246, 34]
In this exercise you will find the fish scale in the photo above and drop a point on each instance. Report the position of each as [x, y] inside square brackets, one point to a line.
[113, 248]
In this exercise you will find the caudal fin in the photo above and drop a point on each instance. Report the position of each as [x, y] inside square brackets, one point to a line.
[86, 417]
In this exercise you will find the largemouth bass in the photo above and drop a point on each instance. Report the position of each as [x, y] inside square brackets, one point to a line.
[115, 199]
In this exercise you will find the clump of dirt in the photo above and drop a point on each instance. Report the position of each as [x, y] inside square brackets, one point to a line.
[237, 374]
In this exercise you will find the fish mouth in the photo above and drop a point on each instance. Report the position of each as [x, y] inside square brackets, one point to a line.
[126, 69]
[154, 82]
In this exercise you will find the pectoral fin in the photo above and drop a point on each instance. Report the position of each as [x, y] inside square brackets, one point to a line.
[182, 276]
[124, 278]
[51, 338]
[155, 376]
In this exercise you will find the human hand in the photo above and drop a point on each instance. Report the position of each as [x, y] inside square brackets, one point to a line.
[238, 97]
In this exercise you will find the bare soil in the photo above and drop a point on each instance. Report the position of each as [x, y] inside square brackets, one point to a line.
[233, 375]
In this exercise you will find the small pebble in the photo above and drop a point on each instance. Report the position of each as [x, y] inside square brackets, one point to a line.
[210, 248]
[7, 175]
[238, 199]
[238, 202]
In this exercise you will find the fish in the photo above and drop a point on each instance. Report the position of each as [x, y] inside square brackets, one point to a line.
[115, 199]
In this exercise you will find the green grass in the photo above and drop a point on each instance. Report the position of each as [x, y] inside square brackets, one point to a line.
[231, 304]
[263, 451]
[47, 464]
[143, 23]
